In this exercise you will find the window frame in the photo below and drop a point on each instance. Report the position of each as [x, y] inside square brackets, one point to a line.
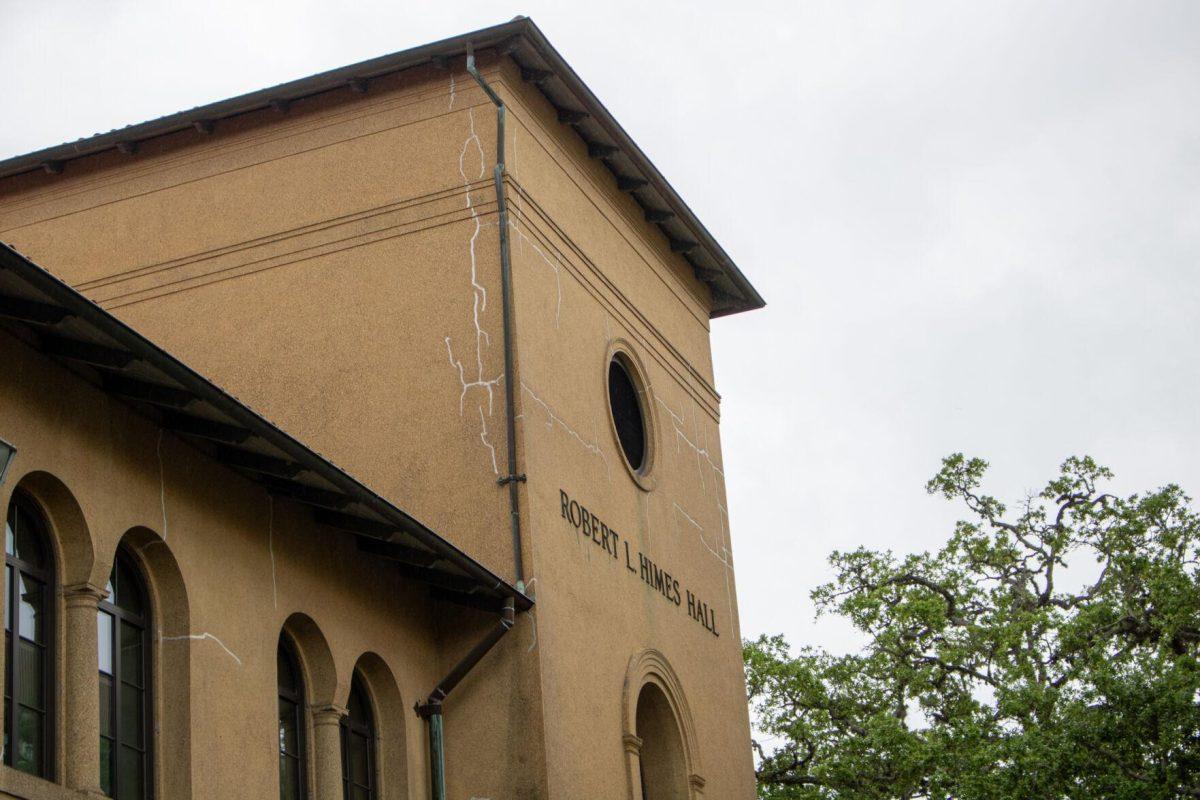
[47, 577]
[144, 624]
[300, 718]
[621, 354]
[365, 730]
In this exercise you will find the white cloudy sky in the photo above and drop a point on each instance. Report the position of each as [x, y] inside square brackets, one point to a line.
[977, 225]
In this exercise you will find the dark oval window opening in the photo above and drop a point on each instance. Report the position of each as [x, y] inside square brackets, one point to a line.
[627, 414]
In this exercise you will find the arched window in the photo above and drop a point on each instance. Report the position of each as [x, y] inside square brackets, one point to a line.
[29, 658]
[358, 746]
[125, 713]
[292, 759]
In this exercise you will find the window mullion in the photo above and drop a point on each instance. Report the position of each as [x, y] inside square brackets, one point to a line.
[14, 706]
[115, 703]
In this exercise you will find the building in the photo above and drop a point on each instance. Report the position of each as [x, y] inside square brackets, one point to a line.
[367, 446]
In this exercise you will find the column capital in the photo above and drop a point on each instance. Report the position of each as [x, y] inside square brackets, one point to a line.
[326, 713]
[83, 594]
[633, 744]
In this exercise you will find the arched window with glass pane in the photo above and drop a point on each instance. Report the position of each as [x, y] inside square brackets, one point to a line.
[293, 761]
[28, 657]
[122, 624]
[358, 746]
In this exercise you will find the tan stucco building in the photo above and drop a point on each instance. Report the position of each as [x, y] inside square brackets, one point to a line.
[367, 439]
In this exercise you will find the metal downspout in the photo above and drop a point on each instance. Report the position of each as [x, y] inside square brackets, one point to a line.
[512, 478]
[431, 709]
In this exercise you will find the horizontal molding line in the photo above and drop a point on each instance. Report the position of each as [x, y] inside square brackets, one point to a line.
[280, 131]
[238, 168]
[441, 195]
[199, 282]
[625, 313]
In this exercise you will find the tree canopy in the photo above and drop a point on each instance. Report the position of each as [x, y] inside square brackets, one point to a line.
[990, 669]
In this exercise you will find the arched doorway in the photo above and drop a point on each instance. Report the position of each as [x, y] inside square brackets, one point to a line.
[664, 773]
[658, 733]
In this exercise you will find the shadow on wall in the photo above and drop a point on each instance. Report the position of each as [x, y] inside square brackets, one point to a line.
[664, 771]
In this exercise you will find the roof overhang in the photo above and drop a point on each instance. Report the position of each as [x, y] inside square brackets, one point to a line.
[541, 65]
[52, 317]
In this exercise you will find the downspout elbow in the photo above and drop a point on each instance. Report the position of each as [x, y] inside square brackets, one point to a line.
[431, 709]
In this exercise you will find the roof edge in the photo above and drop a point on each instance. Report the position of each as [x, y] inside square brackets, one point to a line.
[521, 40]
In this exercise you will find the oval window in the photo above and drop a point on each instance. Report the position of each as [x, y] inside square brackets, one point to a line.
[626, 405]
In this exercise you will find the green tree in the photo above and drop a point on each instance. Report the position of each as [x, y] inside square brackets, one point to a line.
[990, 670]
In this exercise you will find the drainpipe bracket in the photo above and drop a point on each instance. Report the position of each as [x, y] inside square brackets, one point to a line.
[507, 479]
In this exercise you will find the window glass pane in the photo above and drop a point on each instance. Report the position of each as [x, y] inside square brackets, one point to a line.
[131, 653]
[106, 717]
[28, 542]
[9, 535]
[129, 595]
[129, 774]
[359, 793]
[106, 770]
[358, 709]
[289, 778]
[31, 600]
[7, 719]
[28, 755]
[627, 414]
[31, 686]
[287, 675]
[8, 582]
[356, 755]
[288, 740]
[104, 638]
[131, 715]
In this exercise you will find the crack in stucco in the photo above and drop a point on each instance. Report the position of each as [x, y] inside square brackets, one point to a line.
[702, 453]
[533, 621]
[479, 298]
[724, 559]
[704, 457]
[553, 265]
[553, 418]
[487, 385]
[199, 637]
[483, 434]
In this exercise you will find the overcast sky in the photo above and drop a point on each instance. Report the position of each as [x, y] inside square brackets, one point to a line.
[977, 226]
